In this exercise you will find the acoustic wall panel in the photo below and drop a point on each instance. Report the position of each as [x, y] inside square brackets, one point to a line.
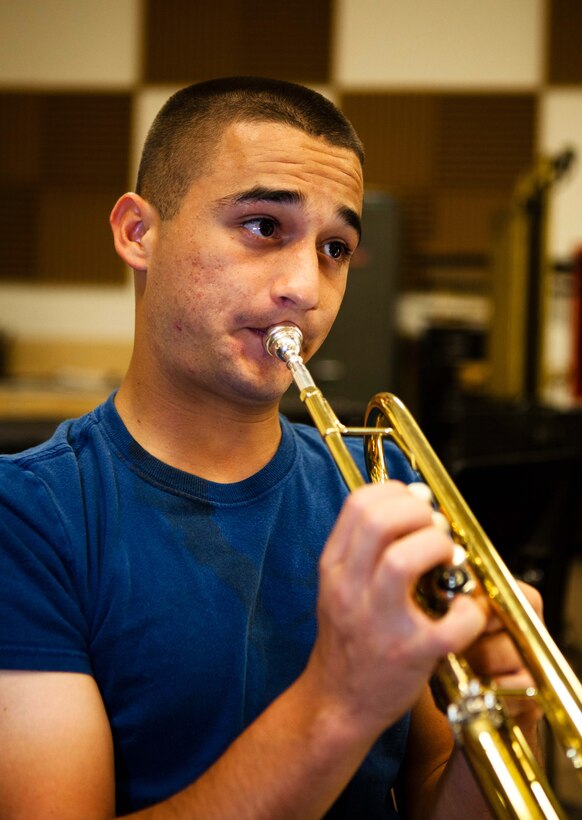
[186, 41]
[451, 161]
[64, 162]
[564, 30]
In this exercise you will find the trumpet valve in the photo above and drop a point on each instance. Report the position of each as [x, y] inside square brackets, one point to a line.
[439, 587]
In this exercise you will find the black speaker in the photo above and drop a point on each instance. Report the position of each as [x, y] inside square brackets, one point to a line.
[358, 357]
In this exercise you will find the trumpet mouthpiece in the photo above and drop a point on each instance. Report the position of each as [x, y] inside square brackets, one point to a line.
[283, 341]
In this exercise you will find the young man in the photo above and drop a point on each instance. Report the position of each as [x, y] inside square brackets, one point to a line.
[186, 629]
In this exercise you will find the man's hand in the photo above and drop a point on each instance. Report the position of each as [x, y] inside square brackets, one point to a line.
[376, 648]
[495, 656]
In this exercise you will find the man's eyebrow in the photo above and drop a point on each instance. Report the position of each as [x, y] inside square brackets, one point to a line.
[262, 194]
[289, 197]
[350, 217]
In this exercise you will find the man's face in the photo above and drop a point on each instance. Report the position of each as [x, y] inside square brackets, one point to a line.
[262, 237]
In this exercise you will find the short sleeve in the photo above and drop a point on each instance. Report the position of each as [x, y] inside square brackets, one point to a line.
[42, 626]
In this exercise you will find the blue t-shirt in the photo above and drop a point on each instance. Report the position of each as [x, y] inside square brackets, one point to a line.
[191, 603]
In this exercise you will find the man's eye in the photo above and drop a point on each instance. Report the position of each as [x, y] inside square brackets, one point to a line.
[261, 226]
[337, 250]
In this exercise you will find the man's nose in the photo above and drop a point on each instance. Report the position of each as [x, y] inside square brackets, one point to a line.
[297, 279]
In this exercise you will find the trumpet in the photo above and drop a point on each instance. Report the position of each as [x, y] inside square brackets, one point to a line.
[503, 764]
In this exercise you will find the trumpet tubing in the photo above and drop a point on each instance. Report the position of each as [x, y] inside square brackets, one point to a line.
[502, 762]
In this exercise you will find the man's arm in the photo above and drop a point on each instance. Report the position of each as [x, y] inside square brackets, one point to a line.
[436, 780]
[56, 757]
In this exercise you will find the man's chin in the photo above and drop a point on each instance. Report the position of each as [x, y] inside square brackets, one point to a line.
[255, 381]
[265, 395]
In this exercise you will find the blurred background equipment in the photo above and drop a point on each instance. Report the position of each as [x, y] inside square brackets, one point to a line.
[522, 285]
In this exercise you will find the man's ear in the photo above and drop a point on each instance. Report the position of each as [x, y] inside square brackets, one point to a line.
[132, 220]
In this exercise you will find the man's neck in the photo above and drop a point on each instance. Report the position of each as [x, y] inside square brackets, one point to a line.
[203, 436]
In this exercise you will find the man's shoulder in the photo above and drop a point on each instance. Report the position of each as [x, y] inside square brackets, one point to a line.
[66, 440]
[52, 467]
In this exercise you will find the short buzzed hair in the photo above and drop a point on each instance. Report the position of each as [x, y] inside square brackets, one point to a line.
[191, 122]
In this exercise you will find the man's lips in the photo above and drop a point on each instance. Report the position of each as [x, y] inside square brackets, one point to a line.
[262, 330]
[259, 333]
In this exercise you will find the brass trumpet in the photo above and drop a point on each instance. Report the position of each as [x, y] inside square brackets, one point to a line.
[510, 778]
